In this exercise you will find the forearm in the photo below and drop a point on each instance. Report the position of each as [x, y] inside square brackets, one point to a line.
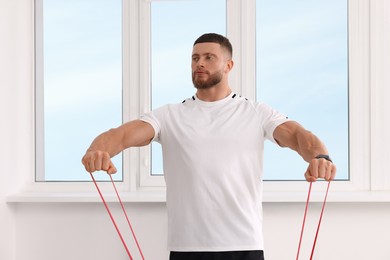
[132, 134]
[293, 135]
[109, 141]
[308, 145]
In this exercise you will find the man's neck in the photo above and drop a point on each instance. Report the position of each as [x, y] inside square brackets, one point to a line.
[214, 93]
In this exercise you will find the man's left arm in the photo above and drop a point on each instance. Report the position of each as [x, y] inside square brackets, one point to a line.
[306, 144]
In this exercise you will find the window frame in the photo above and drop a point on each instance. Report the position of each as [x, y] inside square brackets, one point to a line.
[367, 87]
[36, 184]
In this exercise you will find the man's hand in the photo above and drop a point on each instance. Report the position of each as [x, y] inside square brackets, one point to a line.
[320, 168]
[98, 161]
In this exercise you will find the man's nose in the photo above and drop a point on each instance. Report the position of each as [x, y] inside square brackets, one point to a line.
[200, 63]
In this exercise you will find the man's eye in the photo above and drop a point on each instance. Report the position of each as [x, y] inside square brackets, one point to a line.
[209, 57]
[195, 59]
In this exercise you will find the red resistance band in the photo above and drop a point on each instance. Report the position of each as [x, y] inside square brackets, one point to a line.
[319, 222]
[139, 248]
[113, 220]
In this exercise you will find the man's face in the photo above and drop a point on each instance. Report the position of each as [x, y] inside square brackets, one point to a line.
[208, 64]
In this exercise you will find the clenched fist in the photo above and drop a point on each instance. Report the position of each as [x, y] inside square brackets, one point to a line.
[98, 161]
[320, 168]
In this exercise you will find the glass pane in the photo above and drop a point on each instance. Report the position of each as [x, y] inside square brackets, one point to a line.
[302, 71]
[175, 25]
[82, 68]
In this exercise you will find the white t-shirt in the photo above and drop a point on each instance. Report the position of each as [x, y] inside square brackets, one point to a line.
[213, 168]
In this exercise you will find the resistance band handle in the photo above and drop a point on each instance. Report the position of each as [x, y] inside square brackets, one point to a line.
[319, 222]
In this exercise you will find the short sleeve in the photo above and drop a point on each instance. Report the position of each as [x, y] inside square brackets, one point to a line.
[271, 119]
[155, 119]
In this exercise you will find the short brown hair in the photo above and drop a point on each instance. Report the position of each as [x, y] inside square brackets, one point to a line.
[216, 38]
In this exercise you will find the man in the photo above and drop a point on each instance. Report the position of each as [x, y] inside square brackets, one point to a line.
[213, 148]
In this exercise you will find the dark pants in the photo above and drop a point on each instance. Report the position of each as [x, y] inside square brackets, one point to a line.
[234, 255]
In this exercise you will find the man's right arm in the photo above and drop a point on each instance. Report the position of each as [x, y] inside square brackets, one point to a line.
[132, 134]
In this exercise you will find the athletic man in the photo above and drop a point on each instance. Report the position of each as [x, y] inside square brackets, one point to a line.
[213, 159]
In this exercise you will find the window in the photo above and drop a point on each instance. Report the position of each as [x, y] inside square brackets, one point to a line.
[80, 63]
[286, 45]
[78, 83]
[302, 70]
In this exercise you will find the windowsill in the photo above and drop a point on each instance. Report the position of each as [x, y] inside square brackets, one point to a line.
[336, 196]
[159, 196]
[73, 197]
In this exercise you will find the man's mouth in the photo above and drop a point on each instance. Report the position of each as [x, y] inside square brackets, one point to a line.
[200, 72]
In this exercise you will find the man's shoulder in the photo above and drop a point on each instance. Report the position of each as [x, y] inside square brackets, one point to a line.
[244, 101]
[188, 100]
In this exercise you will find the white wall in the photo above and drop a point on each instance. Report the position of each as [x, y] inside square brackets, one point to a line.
[84, 231]
[15, 104]
[59, 231]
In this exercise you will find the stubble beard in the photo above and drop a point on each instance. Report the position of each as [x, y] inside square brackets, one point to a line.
[213, 80]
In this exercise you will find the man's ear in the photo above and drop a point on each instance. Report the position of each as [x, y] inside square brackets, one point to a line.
[229, 65]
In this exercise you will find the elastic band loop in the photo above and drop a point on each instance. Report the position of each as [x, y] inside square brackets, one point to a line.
[127, 218]
[112, 218]
[319, 222]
